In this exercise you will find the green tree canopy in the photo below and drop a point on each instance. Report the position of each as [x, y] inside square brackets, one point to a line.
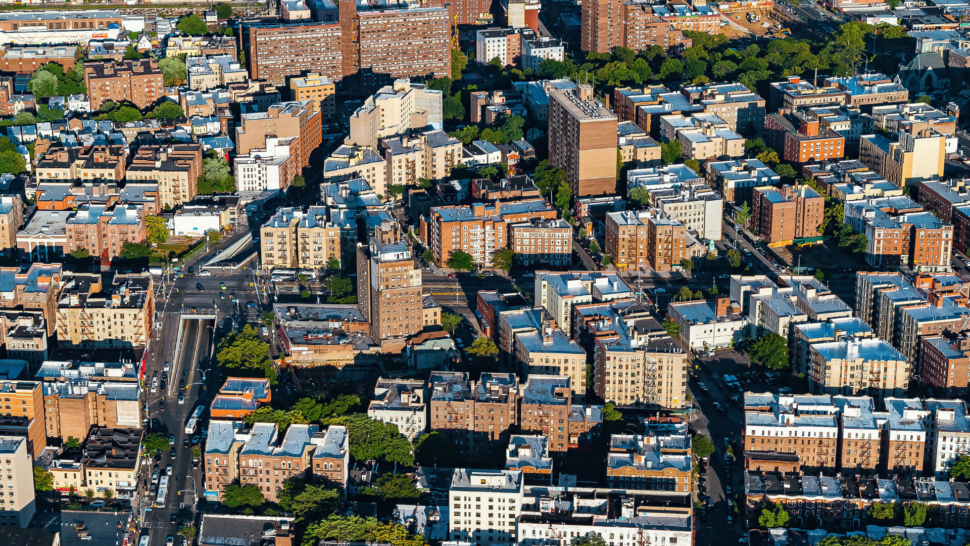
[12, 162]
[43, 481]
[483, 348]
[224, 11]
[882, 513]
[672, 328]
[396, 487]
[42, 83]
[961, 468]
[308, 502]
[155, 443]
[503, 259]
[670, 152]
[243, 495]
[770, 350]
[192, 25]
[914, 514]
[450, 321]
[283, 419]
[773, 516]
[374, 440]
[157, 229]
[436, 449]
[358, 529]
[701, 446]
[173, 70]
[167, 110]
[243, 350]
[461, 261]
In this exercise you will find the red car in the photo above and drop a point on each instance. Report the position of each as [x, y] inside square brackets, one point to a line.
[452, 275]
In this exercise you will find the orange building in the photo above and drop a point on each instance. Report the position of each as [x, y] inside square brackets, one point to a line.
[240, 396]
[804, 142]
[139, 82]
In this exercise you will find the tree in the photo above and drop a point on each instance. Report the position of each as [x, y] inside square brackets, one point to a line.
[694, 165]
[43, 481]
[487, 171]
[467, 134]
[924, 98]
[154, 443]
[333, 264]
[188, 533]
[298, 182]
[236, 496]
[43, 84]
[173, 69]
[819, 275]
[243, 350]
[196, 452]
[460, 261]
[216, 176]
[427, 256]
[167, 110]
[458, 63]
[224, 11]
[157, 229]
[673, 328]
[639, 195]
[611, 414]
[45, 113]
[108, 494]
[687, 264]
[694, 69]
[396, 487]
[606, 260]
[591, 539]
[914, 514]
[785, 170]
[671, 69]
[770, 350]
[436, 449]
[358, 529]
[512, 128]
[374, 440]
[193, 25]
[283, 419]
[131, 53]
[72, 442]
[702, 446]
[769, 157]
[24, 118]
[12, 162]
[593, 246]
[452, 108]
[483, 348]
[125, 114]
[961, 468]
[670, 152]
[743, 215]
[450, 321]
[136, 252]
[339, 286]
[722, 68]
[307, 501]
[685, 294]
[89, 493]
[882, 512]
[773, 516]
[503, 259]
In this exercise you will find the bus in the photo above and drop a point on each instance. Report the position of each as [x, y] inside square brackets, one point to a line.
[162, 492]
[194, 420]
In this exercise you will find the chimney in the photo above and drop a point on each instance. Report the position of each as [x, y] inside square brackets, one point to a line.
[794, 80]
[721, 307]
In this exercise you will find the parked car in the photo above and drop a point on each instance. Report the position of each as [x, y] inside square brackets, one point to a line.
[205, 273]
[168, 470]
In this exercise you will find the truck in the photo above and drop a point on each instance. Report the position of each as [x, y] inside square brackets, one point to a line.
[194, 420]
[158, 271]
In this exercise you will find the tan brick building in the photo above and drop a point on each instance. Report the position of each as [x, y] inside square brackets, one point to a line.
[389, 290]
[645, 238]
[945, 361]
[267, 461]
[138, 81]
[275, 51]
[904, 443]
[86, 317]
[95, 163]
[102, 231]
[790, 427]
[112, 459]
[299, 119]
[11, 220]
[308, 240]
[35, 289]
[175, 167]
[650, 462]
[21, 413]
[474, 415]
[787, 214]
[542, 241]
[853, 366]
[315, 87]
[431, 155]
[70, 410]
[582, 140]
[546, 407]
[640, 27]
[551, 352]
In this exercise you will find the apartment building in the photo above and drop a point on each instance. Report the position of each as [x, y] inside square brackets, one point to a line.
[500, 491]
[174, 167]
[551, 352]
[802, 206]
[928, 318]
[710, 326]
[240, 396]
[475, 415]
[292, 238]
[536, 49]
[295, 119]
[652, 366]
[582, 140]
[741, 109]
[794, 94]
[735, 180]
[559, 292]
[36, 289]
[776, 426]
[639, 27]
[401, 402]
[111, 462]
[481, 230]
[137, 81]
[24, 334]
[316, 87]
[651, 462]
[912, 118]
[943, 198]
[869, 90]
[93, 315]
[906, 437]
[504, 44]
[331, 456]
[205, 72]
[847, 121]
[947, 431]
[11, 220]
[94, 163]
[406, 42]
[272, 168]
[21, 505]
[386, 273]
[103, 231]
[944, 360]
[222, 447]
[542, 241]
[546, 408]
[801, 139]
[195, 46]
[529, 454]
[677, 191]
[24, 417]
[275, 51]
[899, 232]
[855, 366]
[430, 155]
[292, 456]
[702, 136]
[637, 149]
[393, 110]
[27, 59]
[645, 238]
[490, 306]
[805, 334]
[491, 107]
[350, 162]
[914, 157]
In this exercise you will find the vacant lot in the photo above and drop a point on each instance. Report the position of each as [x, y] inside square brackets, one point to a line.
[825, 256]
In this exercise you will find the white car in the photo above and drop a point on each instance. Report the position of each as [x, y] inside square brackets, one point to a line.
[168, 470]
[167, 367]
[205, 273]
[181, 399]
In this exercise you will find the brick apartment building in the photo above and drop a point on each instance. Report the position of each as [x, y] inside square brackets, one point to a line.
[23, 413]
[320, 89]
[138, 81]
[475, 415]
[95, 163]
[276, 51]
[640, 27]
[788, 213]
[308, 240]
[64, 20]
[102, 231]
[542, 241]
[801, 140]
[11, 220]
[645, 238]
[582, 140]
[35, 289]
[945, 362]
[546, 407]
[70, 410]
[27, 59]
[300, 119]
[175, 167]
[125, 311]
[389, 290]
[111, 462]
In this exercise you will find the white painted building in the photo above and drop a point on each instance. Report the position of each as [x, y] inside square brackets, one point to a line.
[703, 325]
[538, 49]
[632, 528]
[262, 170]
[400, 402]
[20, 504]
[78, 103]
[195, 223]
[485, 505]
[948, 434]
